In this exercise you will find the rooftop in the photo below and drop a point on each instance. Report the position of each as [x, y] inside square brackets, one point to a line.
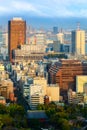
[17, 18]
[36, 114]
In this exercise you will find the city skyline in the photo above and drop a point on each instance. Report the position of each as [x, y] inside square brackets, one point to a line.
[46, 8]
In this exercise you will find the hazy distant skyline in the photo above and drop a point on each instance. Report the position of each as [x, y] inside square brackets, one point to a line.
[44, 8]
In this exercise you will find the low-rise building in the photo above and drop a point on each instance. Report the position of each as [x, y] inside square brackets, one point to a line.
[75, 98]
[29, 52]
[6, 87]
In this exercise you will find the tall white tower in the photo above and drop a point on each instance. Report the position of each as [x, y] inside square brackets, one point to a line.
[78, 42]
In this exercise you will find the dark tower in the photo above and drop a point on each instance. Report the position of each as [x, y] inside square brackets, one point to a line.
[16, 35]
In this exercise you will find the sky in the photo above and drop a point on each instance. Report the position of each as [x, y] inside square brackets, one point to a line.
[44, 8]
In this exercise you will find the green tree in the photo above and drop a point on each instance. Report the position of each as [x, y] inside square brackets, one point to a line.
[84, 112]
[3, 109]
[6, 120]
[63, 124]
[72, 110]
[50, 112]
[1, 123]
[40, 107]
[16, 110]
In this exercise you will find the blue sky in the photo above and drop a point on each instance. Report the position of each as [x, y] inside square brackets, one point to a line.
[44, 8]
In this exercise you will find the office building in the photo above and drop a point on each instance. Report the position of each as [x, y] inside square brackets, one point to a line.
[26, 87]
[66, 48]
[16, 34]
[55, 30]
[78, 42]
[29, 52]
[64, 73]
[40, 38]
[35, 92]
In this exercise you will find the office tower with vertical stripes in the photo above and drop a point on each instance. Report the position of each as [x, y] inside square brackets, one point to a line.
[78, 42]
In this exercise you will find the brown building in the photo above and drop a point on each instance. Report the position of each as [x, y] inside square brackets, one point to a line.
[16, 35]
[64, 73]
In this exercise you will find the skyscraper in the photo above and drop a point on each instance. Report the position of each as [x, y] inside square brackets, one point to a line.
[78, 42]
[55, 30]
[16, 34]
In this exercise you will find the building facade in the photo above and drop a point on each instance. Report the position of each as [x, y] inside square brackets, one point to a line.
[16, 34]
[81, 84]
[29, 52]
[78, 42]
[36, 96]
[60, 37]
[40, 38]
[65, 74]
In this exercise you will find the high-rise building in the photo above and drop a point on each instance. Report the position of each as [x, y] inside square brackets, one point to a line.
[78, 42]
[55, 30]
[16, 34]
[60, 37]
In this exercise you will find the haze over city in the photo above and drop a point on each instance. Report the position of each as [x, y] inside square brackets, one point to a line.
[43, 65]
[64, 14]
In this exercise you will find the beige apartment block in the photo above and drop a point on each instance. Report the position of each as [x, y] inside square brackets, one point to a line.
[53, 92]
[41, 81]
[81, 83]
[78, 42]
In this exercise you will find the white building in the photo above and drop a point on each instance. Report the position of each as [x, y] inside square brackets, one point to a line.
[29, 52]
[36, 96]
[33, 48]
[5, 39]
[60, 37]
[40, 38]
[78, 42]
